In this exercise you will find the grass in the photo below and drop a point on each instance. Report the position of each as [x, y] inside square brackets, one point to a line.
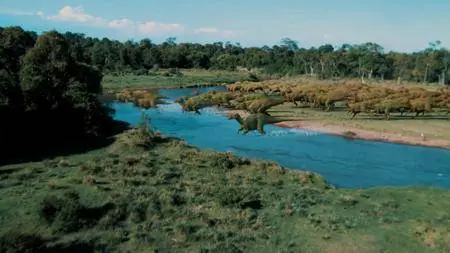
[160, 79]
[167, 196]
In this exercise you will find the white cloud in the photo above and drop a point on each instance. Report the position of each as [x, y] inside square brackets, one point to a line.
[121, 24]
[13, 12]
[228, 33]
[150, 27]
[77, 14]
[206, 30]
[145, 28]
[216, 31]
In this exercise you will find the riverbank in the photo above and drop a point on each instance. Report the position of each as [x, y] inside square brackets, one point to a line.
[355, 133]
[157, 194]
[340, 128]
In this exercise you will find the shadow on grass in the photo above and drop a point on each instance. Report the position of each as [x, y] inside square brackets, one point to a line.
[40, 148]
[22, 242]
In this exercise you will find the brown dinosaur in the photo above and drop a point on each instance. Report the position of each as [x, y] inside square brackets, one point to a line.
[255, 121]
[262, 105]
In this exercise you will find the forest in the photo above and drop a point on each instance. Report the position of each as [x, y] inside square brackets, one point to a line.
[46, 95]
[367, 60]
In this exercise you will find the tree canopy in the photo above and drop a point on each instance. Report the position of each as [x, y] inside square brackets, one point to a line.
[46, 92]
[366, 60]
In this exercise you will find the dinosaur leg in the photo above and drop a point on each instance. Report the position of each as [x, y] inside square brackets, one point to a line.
[260, 126]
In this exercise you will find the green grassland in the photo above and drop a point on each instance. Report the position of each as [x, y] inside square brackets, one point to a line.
[172, 78]
[147, 193]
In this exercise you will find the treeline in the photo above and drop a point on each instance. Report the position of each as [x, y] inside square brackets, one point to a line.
[365, 61]
[46, 95]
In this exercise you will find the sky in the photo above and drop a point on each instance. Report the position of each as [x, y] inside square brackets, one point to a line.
[399, 25]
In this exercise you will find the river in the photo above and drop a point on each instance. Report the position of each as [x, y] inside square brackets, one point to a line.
[343, 162]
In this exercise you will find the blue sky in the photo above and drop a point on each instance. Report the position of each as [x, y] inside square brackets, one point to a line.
[401, 25]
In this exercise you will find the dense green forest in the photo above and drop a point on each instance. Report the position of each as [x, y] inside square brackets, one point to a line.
[364, 60]
[46, 95]
[368, 60]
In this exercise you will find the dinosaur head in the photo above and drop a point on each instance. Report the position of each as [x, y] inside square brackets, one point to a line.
[234, 115]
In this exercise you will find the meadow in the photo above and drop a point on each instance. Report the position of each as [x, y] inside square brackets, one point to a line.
[151, 193]
[172, 78]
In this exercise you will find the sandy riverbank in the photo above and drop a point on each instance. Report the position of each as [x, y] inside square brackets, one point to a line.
[356, 133]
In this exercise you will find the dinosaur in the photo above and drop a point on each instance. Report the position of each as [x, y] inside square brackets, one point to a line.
[211, 98]
[141, 98]
[262, 105]
[255, 121]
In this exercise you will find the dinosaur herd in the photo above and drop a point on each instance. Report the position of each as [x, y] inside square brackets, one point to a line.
[258, 98]
[357, 98]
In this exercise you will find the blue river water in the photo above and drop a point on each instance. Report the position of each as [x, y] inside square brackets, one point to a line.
[344, 163]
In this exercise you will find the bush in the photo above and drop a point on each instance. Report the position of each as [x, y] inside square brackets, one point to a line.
[18, 242]
[175, 72]
[64, 213]
[253, 78]
[140, 72]
[238, 197]
[348, 200]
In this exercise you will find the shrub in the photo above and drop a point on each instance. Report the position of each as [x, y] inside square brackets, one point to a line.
[348, 200]
[238, 197]
[66, 213]
[253, 78]
[140, 72]
[63, 212]
[19, 242]
[175, 72]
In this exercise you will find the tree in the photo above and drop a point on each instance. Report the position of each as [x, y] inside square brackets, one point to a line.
[290, 44]
[44, 74]
[365, 60]
[14, 42]
[61, 92]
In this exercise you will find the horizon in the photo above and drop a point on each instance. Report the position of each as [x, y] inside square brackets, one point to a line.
[310, 24]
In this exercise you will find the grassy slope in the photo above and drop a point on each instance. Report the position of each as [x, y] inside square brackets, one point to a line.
[176, 198]
[190, 77]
